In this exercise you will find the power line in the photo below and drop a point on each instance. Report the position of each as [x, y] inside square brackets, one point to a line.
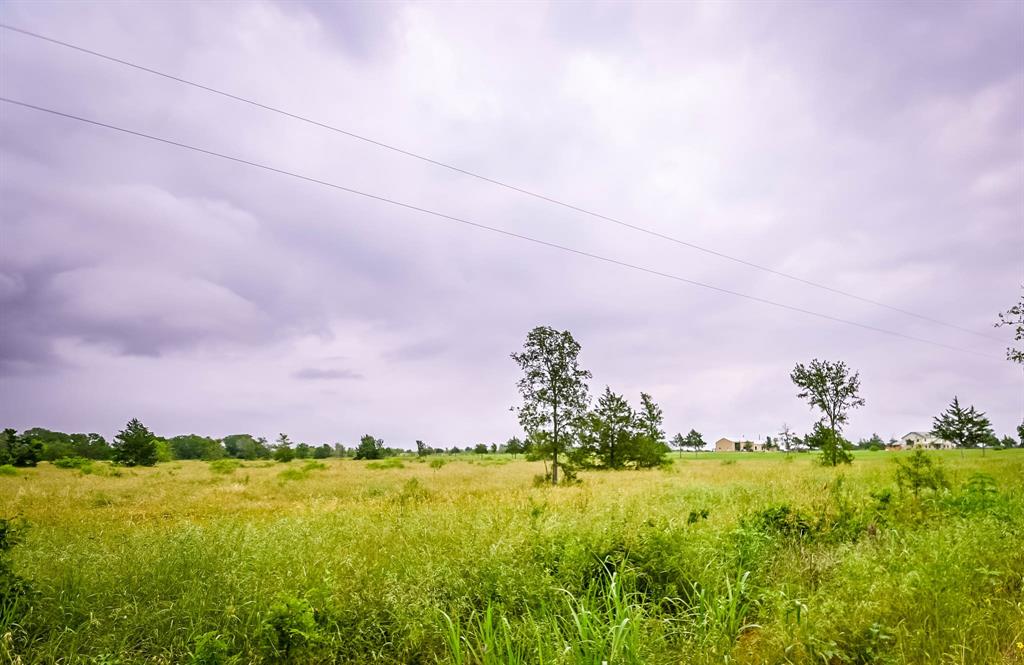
[485, 227]
[493, 181]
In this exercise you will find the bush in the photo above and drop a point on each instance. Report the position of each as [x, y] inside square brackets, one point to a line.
[314, 466]
[390, 463]
[225, 466]
[210, 649]
[14, 590]
[72, 463]
[7, 470]
[290, 626]
[920, 472]
[284, 454]
[292, 474]
[437, 463]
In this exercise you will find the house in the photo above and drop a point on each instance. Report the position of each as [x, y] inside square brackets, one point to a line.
[725, 445]
[912, 440]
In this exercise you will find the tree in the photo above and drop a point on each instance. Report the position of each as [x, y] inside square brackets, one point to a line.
[422, 449]
[370, 448]
[480, 449]
[553, 388]
[920, 472]
[834, 448]
[650, 418]
[19, 450]
[322, 451]
[967, 428]
[607, 433]
[135, 445]
[514, 446]
[694, 441]
[303, 451]
[1014, 317]
[786, 438]
[678, 442]
[832, 388]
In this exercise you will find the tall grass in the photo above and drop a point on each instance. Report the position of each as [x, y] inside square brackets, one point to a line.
[759, 561]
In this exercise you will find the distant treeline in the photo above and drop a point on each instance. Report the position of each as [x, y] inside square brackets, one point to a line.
[137, 445]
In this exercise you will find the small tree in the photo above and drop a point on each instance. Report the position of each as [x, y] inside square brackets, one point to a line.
[830, 387]
[553, 388]
[606, 433]
[679, 442]
[480, 449]
[966, 428]
[694, 441]
[1014, 317]
[514, 446]
[834, 449]
[135, 445]
[786, 438]
[370, 448]
[918, 473]
[422, 449]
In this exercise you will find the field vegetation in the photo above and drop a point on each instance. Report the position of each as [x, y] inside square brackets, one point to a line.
[735, 557]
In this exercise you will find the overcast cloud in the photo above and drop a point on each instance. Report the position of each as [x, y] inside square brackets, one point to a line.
[875, 147]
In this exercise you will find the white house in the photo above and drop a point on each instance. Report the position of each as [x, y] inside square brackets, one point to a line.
[924, 440]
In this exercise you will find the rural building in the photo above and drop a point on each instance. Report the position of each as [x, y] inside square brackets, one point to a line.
[725, 445]
[922, 440]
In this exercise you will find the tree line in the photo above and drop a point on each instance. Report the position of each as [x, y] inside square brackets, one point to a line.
[561, 425]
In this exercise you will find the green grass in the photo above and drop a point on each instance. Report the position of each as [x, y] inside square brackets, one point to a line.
[769, 559]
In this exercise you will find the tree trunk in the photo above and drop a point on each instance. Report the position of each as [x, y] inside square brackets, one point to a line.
[554, 468]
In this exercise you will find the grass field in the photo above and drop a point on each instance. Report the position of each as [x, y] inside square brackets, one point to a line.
[731, 558]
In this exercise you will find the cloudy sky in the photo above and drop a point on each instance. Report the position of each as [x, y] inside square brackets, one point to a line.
[877, 148]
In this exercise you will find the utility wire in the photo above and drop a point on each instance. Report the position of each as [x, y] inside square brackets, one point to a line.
[499, 183]
[485, 227]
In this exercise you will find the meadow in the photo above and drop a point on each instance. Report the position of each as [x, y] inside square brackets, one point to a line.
[718, 558]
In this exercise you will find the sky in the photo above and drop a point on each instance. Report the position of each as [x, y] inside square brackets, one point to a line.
[877, 148]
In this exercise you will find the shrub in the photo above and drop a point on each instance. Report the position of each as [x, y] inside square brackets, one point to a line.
[284, 454]
[918, 473]
[135, 445]
[292, 474]
[209, 649]
[437, 463]
[8, 470]
[390, 463]
[72, 463]
[14, 590]
[224, 466]
[290, 626]
[314, 466]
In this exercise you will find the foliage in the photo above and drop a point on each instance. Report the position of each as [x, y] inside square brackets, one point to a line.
[72, 463]
[19, 450]
[967, 428]
[553, 388]
[393, 463]
[370, 448]
[920, 472]
[284, 454]
[830, 387]
[245, 446]
[14, 590]
[834, 449]
[210, 649]
[1014, 317]
[290, 626]
[193, 446]
[135, 445]
[224, 466]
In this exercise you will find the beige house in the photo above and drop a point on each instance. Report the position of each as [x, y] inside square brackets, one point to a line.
[725, 445]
